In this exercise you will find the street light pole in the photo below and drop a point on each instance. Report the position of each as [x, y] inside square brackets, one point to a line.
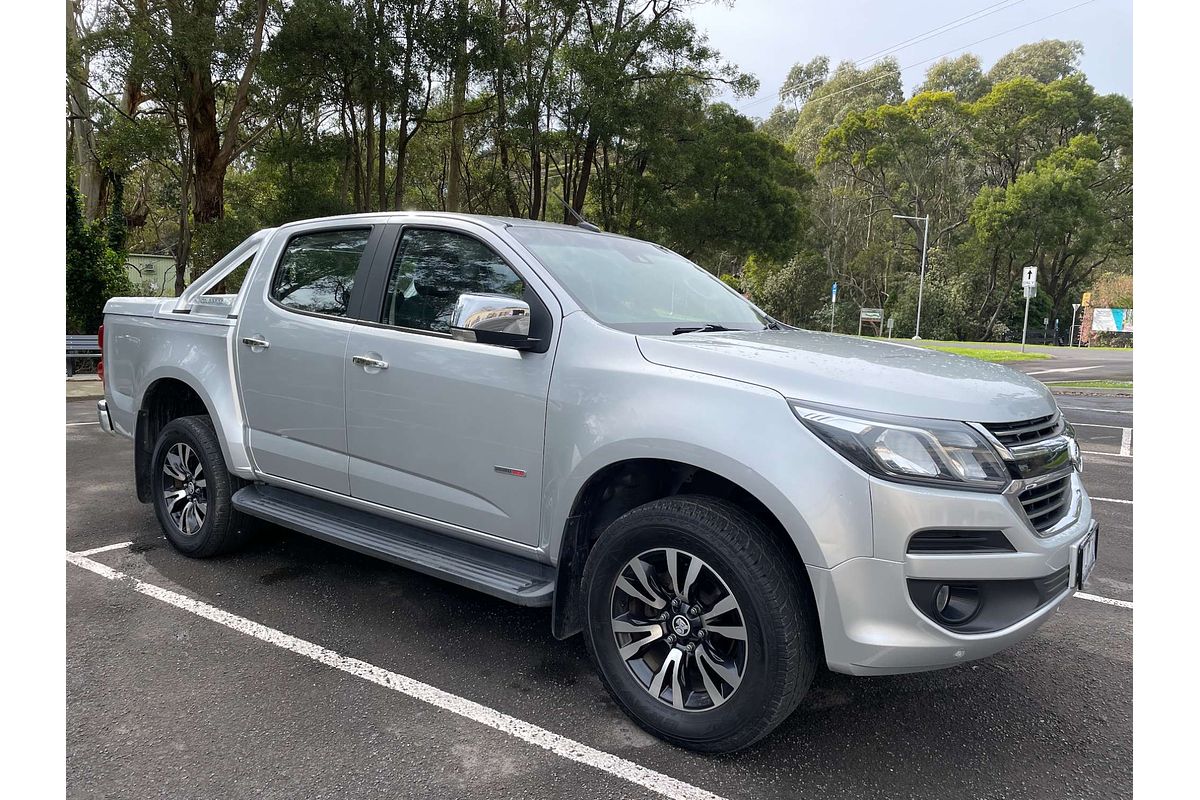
[921, 285]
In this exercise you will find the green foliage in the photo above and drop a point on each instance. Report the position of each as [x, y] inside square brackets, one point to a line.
[94, 271]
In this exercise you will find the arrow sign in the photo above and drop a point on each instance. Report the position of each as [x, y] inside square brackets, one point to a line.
[1029, 277]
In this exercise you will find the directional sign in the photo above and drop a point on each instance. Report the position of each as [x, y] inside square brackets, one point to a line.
[1029, 277]
[891, 323]
[835, 292]
[870, 314]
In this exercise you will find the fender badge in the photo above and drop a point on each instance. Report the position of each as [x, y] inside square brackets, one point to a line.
[516, 473]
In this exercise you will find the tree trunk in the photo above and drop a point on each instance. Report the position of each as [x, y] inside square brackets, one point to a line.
[89, 174]
[457, 123]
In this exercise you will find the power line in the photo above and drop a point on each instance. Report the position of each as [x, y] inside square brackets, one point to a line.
[932, 33]
[948, 52]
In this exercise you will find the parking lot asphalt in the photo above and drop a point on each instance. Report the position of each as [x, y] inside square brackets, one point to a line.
[163, 701]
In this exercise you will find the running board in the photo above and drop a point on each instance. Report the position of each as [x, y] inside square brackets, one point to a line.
[508, 577]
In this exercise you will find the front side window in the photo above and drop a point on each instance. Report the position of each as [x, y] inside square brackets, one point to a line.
[316, 271]
[636, 286]
[432, 268]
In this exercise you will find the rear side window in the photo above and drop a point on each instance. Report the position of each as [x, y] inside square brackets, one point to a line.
[432, 268]
[316, 271]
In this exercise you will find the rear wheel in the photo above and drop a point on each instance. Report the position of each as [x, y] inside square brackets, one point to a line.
[696, 623]
[192, 490]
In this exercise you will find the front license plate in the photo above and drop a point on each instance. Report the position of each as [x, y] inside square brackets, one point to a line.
[1086, 557]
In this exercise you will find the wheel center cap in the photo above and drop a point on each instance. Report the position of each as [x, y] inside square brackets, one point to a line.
[681, 625]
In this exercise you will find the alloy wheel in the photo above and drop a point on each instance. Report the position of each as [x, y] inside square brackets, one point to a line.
[679, 629]
[185, 489]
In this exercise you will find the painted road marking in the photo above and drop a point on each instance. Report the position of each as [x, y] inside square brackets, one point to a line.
[104, 549]
[1111, 500]
[1127, 442]
[1097, 410]
[1100, 453]
[1064, 369]
[1098, 425]
[70, 424]
[555, 743]
[1106, 600]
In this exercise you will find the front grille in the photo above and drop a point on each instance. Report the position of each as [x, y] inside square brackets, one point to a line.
[1045, 504]
[1012, 434]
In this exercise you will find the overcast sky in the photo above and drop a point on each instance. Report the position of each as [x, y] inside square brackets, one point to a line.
[766, 37]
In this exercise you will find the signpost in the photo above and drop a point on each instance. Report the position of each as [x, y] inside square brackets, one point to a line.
[833, 312]
[1071, 333]
[872, 315]
[1029, 284]
[891, 324]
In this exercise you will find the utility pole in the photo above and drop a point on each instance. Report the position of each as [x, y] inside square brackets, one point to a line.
[921, 285]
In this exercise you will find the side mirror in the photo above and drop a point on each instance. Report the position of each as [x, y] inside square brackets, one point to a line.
[492, 319]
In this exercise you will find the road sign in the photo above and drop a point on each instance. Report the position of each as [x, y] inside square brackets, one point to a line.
[870, 315]
[1074, 306]
[1030, 291]
[1087, 298]
[835, 292]
[1029, 277]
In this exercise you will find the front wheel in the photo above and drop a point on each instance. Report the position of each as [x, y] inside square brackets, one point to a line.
[192, 490]
[697, 624]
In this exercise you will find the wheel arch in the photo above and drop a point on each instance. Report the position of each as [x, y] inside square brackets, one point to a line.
[622, 485]
[165, 398]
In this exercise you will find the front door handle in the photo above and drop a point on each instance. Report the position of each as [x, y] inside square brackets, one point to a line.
[256, 344]
[369, 363]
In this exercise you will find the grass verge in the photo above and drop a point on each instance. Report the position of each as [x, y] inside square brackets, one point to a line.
[1128, 385]
[995, 356]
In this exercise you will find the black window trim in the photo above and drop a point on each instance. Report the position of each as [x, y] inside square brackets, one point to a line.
[376, 293]
[363, 272]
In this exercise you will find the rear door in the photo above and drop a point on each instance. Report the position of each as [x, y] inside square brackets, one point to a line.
[449, 431]
[291, 352]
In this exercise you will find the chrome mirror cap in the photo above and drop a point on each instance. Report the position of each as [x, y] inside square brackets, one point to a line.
[490, 319]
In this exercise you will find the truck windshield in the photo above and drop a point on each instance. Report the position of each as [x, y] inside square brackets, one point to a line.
[637, 286]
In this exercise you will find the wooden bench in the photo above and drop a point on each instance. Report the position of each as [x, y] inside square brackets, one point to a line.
[80, 346]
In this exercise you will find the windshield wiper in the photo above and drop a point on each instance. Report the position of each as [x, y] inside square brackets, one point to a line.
[706, 328]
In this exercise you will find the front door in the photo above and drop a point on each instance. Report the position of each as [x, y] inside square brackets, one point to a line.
[438, 428]
[291, 354]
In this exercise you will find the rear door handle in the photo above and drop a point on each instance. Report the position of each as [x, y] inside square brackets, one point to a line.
[254, 343]
[369, 363]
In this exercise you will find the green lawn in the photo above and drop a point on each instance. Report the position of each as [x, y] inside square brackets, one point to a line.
[986, 345]
[983, 354]
[1092, 385]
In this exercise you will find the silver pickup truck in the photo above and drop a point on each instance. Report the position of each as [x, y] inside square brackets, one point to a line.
[561, 417]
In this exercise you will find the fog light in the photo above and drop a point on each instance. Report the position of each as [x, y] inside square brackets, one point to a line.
[958, 604]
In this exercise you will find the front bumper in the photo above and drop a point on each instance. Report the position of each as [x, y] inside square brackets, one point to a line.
[869, 622]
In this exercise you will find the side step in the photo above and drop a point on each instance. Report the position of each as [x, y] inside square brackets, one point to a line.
[512, 578]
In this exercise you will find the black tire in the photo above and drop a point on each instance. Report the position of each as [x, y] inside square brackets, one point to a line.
[222, 529]
[780, 648]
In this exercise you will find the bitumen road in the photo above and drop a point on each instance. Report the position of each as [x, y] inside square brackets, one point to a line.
[1068, 363]
[214, 679]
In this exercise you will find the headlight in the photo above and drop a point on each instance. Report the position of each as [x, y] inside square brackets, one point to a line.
[924, 451]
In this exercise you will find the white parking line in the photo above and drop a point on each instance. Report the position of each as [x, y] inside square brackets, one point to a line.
[1096, 410]
[1064, 369]
[104, 549]
[1101, 453]
[1127, 442]
[1096, 425]
[1111, 500]
[1108, 601]
[555, 743]
[72, 424]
